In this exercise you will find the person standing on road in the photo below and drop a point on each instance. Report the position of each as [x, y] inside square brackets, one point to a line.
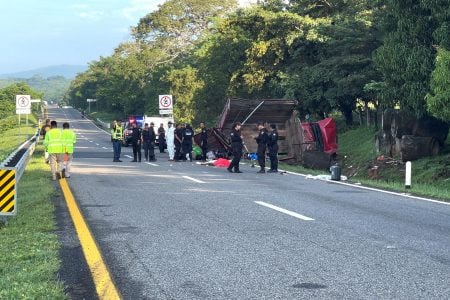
[178, 138]
[46, 127]
[236, 146]
[273, 149]
[262, 140]
[148, 139]
[171, 140]
[117, 137]
[186, 142]
[53, 144]
[68, 139]
[203, 140]
[136, 140]
[161, 138]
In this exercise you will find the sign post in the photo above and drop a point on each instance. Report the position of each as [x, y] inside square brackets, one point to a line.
[89, 101]
[165, 104]
[23, 106]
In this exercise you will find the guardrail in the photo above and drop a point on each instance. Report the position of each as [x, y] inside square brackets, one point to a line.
[11, 170]
[103, 124]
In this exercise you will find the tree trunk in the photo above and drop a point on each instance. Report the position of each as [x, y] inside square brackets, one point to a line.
[366, 107]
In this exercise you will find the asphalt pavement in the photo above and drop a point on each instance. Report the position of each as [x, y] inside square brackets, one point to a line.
[182, 230]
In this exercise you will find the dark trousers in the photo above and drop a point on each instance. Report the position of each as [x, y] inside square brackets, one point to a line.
[149, 150]
[162, 145]
[117, 147]
[137, 151]
[187, 149]
[237, 154]
[177, 151]
[261, 157]
[273, 155]
[204, 151]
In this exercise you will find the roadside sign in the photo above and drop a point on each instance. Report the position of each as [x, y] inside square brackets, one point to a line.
[166, 111]
[165, 102]
[7, 192]
[23, 104]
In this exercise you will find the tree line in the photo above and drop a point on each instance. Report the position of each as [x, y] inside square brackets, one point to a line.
[330, 55]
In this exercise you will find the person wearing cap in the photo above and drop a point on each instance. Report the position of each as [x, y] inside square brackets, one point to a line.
[236, 146]
[262, 140]
[273, 149]
[171, 140]
[148, 141]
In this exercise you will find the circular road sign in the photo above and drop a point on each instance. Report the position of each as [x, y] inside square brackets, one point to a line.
[165, 101]
[23, 101]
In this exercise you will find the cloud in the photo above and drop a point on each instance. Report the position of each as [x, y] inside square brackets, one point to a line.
[91, 15]
[139, 8]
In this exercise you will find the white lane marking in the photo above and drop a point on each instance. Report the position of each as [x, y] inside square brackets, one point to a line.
[97, 144]
[152, 164]
[373, 189]
[285, 211]
[105, 148]
[128, 156]
[91, 141]
[193, 179]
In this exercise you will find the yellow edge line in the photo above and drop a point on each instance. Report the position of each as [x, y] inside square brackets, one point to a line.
[103, 282]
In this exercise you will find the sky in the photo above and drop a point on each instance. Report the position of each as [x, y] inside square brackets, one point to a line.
[41, 33]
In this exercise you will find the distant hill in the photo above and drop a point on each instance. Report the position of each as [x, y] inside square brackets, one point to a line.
[67, 71]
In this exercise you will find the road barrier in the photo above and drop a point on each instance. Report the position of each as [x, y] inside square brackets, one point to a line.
[11, 170]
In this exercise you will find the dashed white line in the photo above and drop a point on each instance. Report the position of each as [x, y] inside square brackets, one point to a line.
[105, 148]
[91, 141]
[193, 179]
[97, 144]
[128, 156]
[285, 211]
[152, 164]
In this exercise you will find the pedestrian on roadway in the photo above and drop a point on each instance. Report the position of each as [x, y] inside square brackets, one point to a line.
[273, 149]
[53, 144]
[69, 138]
[148, 139]
[117, 137]
[203, 140]
[236, 146]
[170, 140]
[136, 140]
[178, 138]
[46, 127]
[262, 140]
[161, 138]
[186, 142]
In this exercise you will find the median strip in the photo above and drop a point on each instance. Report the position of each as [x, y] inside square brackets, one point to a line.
[285, 211]
[103, 282]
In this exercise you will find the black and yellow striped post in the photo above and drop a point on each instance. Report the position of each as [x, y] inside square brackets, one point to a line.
[7, 192]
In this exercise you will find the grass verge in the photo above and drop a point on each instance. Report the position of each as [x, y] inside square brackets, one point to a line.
[30, 248]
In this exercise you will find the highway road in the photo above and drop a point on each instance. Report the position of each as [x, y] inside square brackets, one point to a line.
[187, 231]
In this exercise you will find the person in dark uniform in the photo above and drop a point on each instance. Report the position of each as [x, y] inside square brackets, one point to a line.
[203, 140]
[161, 138]
[148, 141]
[236, 146]
[178, 139]
[136, 140]
[261, 140]
[186, 142]
[273, 149]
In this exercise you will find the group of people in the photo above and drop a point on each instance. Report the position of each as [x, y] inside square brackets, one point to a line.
[59, 144]
[178, 139]
[267, 142]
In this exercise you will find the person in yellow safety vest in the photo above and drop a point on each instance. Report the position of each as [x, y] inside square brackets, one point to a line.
[53, 144]
[68, 139]
[116, 137]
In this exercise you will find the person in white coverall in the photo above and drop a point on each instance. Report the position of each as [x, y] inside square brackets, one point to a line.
[170, 139]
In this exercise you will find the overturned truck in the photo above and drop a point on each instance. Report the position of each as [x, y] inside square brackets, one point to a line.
[249, 112]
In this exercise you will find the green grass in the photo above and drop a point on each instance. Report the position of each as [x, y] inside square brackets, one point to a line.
[29, 262]
[430, 175]
[14, 137]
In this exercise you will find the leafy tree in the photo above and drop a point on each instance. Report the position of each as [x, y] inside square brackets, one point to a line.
[406, 58]
[438, 101]
[8, 98]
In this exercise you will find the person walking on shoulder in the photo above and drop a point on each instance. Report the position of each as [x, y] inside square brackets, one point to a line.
[53, 144]
[68, 139]
[117, 137]
[236, 146]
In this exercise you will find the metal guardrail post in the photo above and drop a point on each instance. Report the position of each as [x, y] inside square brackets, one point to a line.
[10, 176]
